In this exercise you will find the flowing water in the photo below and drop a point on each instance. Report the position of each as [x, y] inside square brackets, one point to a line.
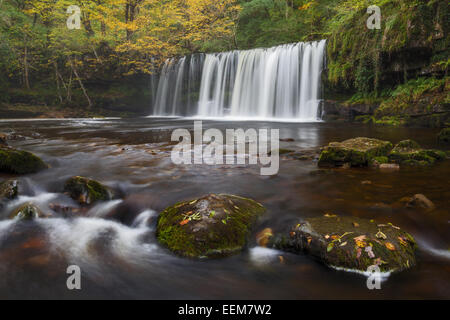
[281, 82]
[114, 242]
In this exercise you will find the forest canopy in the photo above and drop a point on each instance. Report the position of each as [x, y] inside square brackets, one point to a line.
[120, 38]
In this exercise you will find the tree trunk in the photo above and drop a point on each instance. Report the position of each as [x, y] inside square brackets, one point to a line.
[88, 26]
[103, 28]
[58, 87]
[69, 87]
[80, 82]
[25, 64]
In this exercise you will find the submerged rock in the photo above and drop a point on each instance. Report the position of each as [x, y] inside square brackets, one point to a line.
[20, 162]
[86, 191]
[389, 167]
[3, 140]
[409, 153]
[208, 227]
[350, 243]
[8, 190]
[358, 152]
[27, 211]
[419, 201]
[444, 136]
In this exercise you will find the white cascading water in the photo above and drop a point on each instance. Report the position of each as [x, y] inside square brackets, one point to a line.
[281, 82]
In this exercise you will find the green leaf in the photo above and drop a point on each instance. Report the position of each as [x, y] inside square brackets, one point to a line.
[330, 246]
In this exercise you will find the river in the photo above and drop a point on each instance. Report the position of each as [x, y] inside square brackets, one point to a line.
[114, 243]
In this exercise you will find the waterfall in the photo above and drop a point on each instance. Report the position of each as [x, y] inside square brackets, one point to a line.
[282, 82]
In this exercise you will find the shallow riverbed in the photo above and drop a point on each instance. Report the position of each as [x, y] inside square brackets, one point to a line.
[114, 242]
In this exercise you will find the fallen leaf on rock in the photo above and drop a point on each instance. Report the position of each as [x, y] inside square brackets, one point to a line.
[395, 227]
[330, 215]
[330, 246]
[358, 253]
[381, 235]
[262, 238]
[379, 262]
[355, 224]
[390, 246]
[182, 223]
[360, 244]
[370, 252]
[360, 241]
[402, 241]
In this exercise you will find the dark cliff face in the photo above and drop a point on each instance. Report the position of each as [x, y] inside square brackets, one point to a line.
[399, 71]
[413, 41]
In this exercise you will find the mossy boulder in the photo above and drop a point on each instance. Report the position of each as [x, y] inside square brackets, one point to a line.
[20, 162]
[86, 191]
[419, 201]
[27, 211]
[409, 153]
[350, 243]
[358, 152]
[209, 227]
[444, 136]
[8, 189]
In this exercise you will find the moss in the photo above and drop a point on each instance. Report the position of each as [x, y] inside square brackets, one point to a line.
[407, 144]
[359, 152]
[393, 121]
[20, 162]
[366, 119]
[444, 136]
[415, 102]
[409, 152]
[381, 160]
[211, 226]
[86, 191]
[27, 211]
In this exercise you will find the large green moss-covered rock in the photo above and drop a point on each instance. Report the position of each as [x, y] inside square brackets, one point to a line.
[27, 211]
[86, 191]
[444, 136]
[357, 152]
[211, 226]
[20, 162]
[350, 243]
[409, 152]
